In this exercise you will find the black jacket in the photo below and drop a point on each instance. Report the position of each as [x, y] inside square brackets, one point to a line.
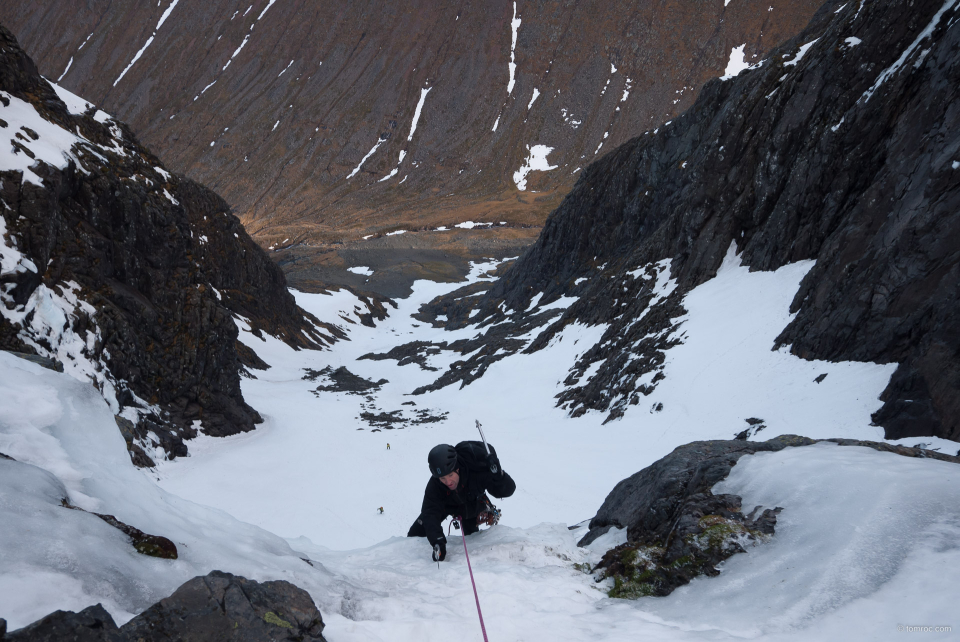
[439, 502]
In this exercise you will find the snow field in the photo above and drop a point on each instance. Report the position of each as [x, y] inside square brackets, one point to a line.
[66, 446]
[723, 373]
[861, 545]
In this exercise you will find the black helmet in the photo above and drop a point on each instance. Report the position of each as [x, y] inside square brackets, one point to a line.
[442, 460]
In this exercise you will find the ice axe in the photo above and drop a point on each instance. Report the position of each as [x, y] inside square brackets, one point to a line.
[493, 467]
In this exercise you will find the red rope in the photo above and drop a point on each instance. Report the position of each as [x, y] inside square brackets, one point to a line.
[475, 596]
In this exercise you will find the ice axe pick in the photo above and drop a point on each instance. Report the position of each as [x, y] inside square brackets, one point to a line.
[493, 467]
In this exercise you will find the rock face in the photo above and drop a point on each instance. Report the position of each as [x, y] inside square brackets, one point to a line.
[92, 624]
[843, 146]
[677, 529]
[296, 112]
[219, 606]
[125, 273]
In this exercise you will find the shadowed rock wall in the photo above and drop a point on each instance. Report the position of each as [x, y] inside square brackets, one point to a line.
[843, 147]
[155, 266]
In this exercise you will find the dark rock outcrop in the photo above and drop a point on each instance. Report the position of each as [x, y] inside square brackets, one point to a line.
[144, 543]
[342, 380]
[92, 624]
[153, 268]
[843, 146]
[219, 606]
[677, 529]
[46, 362]
[229, 607]
[648, 503]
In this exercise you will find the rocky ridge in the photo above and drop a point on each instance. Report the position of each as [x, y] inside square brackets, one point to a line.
[127, 274]
[841, 146]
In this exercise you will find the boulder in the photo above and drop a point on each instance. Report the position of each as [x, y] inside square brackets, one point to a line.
[218, 606]
[677, 529]
[92, 624]
[221, 606]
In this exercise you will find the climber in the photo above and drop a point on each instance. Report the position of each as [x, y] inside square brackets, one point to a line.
[460, 478]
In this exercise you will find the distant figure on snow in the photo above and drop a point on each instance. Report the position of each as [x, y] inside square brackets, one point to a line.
[461, 477]
[381, 510]
[388, 446]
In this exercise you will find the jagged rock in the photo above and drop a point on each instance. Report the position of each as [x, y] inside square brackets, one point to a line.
[229, 607]
[218, 606]
[677, 529]
[157, 264]
[342, 380]
[647, 503]
[841, 154]
[387, 420]
[46, 362]
[92, 624]
[414, 352]
[709, 529]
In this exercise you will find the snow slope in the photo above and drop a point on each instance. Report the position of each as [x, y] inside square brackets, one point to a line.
[861, 545]
[66, 446]
[724, 373]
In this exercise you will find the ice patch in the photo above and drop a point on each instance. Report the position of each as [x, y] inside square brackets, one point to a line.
[247, 37]
[736, 64]
[75, 104]
[416, 113]
[362, 270]
[800, 54]
[533, 99]
[69, 62]
[363, 160]
[536, 161]
[514, 29]
[163, 18]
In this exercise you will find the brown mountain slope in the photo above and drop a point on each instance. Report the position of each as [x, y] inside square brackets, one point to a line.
[275, 103]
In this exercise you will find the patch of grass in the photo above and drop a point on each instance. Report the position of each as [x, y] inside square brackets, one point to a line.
[583, 567]
[630, 589]
[719, 533]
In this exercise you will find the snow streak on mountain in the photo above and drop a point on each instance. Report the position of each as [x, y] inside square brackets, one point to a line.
[296, 114]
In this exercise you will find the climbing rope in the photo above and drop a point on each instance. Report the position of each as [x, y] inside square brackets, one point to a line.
[469, 568]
